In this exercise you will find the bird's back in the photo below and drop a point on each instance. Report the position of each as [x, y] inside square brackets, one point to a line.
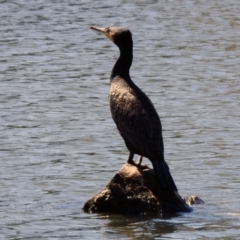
[136, 118]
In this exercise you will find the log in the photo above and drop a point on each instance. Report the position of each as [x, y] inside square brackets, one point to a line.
[134, 190]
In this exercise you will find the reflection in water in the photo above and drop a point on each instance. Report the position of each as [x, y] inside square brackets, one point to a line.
[137, 227]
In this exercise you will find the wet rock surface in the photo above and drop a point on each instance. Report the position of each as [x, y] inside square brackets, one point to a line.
[135, 191]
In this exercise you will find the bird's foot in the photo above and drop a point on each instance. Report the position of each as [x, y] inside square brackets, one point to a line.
[130, 161]
[137, 164]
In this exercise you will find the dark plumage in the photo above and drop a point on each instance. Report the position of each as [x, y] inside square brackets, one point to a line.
[133, 112]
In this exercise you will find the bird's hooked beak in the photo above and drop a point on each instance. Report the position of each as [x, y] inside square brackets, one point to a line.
[105, 31]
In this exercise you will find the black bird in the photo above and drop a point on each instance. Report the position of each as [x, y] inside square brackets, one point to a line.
[133, 112]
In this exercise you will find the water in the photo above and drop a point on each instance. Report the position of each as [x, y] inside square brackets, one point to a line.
[59, 145]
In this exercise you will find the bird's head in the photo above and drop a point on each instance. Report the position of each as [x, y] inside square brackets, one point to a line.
[121, 36]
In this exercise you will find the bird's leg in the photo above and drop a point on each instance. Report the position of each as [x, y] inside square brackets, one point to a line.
[130, 159]
[139, 161]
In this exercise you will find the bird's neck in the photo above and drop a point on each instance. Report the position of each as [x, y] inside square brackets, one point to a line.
[123, 64]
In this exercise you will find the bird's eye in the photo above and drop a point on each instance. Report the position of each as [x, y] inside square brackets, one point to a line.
[108, 33]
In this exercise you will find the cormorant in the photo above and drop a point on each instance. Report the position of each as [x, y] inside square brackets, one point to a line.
[133, 112]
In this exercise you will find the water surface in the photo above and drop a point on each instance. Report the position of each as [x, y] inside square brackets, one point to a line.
[59, 145]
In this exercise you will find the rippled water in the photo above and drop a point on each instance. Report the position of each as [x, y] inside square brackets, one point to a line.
[59, 145]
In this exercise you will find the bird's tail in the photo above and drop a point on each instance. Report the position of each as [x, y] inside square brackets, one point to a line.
[169, 190]
[163, 175]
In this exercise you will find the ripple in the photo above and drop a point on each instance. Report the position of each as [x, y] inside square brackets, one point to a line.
[59, 145]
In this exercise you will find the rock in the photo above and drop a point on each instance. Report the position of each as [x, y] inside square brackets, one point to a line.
[193, 200]
[135, 190]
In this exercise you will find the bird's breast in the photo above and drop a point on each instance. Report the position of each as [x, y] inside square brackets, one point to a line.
[123, 101]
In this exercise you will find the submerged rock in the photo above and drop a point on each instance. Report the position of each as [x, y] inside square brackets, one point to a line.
[135, 190]
[193, 200]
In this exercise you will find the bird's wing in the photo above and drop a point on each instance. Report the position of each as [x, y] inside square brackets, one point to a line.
[139, 126]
